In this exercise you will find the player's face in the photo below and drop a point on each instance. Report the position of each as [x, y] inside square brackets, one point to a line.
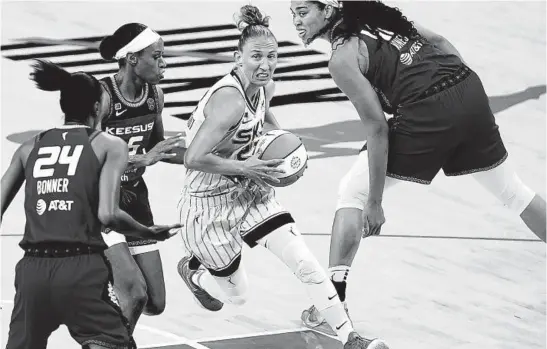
[258, 59]
[150, 65]
[308, 19]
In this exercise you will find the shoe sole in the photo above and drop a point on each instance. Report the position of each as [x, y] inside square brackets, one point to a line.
[378, 344]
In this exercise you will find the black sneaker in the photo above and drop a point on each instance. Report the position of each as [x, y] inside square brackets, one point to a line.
[202, 297]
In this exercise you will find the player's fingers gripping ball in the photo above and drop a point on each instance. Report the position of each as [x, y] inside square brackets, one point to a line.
[280, 144]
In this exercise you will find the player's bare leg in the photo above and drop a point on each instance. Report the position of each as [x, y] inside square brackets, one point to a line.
[534, 216]
[151, 268]
[129, 283]
[287, 244]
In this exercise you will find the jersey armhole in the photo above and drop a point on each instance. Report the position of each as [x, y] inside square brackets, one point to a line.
[38, 137]
[94, 134]
[110, 104]
[363, 55]
[236, 125]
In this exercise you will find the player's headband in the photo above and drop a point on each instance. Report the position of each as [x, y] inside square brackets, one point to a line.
[146, 38]
[333, 3]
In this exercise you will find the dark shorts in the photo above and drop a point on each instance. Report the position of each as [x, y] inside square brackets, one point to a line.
[134, 201]
[452, 128]
[75, 291]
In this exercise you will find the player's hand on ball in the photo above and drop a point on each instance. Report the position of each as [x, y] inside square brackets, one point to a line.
[373, 219]
[163, 150]
[260, 170]
[164, 232]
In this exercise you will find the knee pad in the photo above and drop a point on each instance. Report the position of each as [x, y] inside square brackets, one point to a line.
[353, 188]
[303, 264]
[516, 195]
[505, 184]
[289, 246]
[310, 272]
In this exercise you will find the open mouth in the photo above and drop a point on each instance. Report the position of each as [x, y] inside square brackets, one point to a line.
[301, 33]
[262, 76]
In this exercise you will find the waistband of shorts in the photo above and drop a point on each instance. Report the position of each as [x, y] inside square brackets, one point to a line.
[217, 200]
[447, 82]
[245, 193]
[60, 250]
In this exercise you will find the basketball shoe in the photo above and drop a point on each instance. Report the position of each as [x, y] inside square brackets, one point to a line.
[200, 295]
[355, 341]
[311, 318]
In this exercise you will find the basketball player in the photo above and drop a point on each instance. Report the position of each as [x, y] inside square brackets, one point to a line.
[225, 201]
[135, 105]
[441, 119]
[72, 176]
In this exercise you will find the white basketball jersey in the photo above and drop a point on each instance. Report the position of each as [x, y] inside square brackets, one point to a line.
[238, 144]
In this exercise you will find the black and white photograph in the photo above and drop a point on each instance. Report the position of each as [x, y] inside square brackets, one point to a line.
[273, 174]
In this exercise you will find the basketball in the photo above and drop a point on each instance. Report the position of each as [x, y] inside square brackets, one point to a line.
[280, 144]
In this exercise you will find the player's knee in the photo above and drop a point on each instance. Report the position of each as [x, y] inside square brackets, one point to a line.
[309, 271]
[516, 195]
[303, 263]
[348, 221]
[352, 193]
[505, 184]
[137, 291]
[154, 306]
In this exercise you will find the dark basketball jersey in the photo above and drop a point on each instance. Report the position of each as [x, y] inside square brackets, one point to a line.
[401, 69]
[62, 189]
[131, 121]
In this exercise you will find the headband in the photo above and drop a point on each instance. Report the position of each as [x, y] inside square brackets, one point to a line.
[146, 38]
[333, 3]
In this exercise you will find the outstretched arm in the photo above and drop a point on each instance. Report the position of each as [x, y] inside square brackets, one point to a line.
[110, 213]
[159, 149]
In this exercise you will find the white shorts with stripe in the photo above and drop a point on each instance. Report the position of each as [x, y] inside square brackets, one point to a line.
[214, 228]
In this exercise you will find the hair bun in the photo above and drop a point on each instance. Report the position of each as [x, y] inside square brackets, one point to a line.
[108, 48]
[249, 16]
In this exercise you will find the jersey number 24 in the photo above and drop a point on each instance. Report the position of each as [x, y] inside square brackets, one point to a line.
[45, 166]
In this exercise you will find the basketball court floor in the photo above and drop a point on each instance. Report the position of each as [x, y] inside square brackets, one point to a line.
[453, 269]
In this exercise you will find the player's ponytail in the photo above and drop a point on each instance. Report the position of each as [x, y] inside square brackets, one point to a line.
[79, 91]
[48, 76]
[251, 23]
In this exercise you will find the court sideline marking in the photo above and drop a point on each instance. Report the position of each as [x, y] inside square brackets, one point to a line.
[177, 340]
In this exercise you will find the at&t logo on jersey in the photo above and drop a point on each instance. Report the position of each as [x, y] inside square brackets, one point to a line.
[54, 205]
[408, 57]
[41, 207]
